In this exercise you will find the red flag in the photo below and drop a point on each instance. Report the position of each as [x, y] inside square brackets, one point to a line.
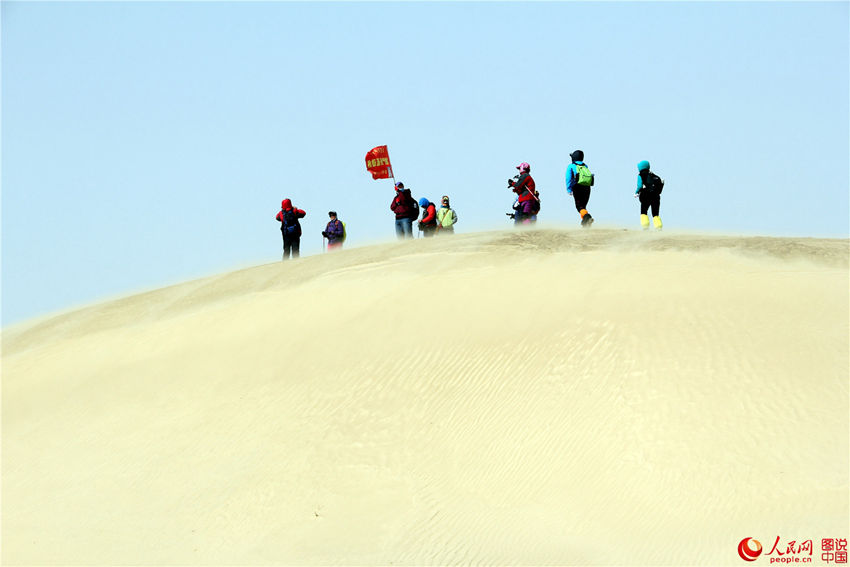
[378, 163]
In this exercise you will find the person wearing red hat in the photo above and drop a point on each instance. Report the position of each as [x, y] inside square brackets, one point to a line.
[290, 228]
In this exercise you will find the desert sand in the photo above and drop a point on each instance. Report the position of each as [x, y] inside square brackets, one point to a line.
[544, 397]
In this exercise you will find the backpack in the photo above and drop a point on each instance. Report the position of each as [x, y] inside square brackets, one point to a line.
[654, 183]
[344, 233]
[414, 210]
[289, 224]
[583, 175]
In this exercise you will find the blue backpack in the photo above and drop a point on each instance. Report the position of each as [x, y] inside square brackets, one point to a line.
[289, 225]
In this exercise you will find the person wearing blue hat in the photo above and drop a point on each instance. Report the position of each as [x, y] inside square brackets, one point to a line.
[406, 209]
[649, 187]
[428, 222]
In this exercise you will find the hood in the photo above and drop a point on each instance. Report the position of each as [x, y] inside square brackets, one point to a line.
[643, 165]
[286, 204]
[577, 155]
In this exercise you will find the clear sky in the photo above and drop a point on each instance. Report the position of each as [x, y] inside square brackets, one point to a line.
[148, 143]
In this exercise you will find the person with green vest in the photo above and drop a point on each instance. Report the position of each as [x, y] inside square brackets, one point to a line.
[446, 217]
[649, 187]
[579, 181]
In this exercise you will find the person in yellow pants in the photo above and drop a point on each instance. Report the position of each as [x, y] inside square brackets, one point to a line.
[648, 192]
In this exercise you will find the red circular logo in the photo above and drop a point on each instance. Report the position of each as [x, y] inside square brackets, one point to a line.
[749, 549]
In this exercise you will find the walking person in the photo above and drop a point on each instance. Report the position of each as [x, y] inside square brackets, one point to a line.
[405, 209]
[290, 228]
[579, 181]
[334, 232]
[446, 217]
[649, 187]
[428, 223]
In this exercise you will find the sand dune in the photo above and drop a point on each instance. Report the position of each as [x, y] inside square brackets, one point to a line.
[539, 397]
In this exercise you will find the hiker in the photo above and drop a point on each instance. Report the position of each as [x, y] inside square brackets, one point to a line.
[649, 187]
[334, 231]
[428, 223]
[290, 228]
[579, 182]
[446, 217]
[406, 209]
[523, 186]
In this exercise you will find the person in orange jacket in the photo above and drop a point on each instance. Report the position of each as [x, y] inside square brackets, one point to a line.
[428, 222]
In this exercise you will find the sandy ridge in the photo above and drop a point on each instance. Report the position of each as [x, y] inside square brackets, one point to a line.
[522, 398]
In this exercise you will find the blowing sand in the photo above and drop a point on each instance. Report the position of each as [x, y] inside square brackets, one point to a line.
[541, 397]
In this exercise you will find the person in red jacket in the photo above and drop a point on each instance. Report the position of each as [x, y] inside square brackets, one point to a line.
[428, 223]
[527, 198]
[403, 206]
[290, 228]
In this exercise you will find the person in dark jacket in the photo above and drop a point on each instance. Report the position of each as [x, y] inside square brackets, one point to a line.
[334, 232]
[428, 222]
[528, 202]
[403, 206]
[290, 228]
[579, 180]
[649, 187]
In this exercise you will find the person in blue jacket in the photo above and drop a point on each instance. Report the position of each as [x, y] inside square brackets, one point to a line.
[334, 232]
[649, 187]
[579, 180]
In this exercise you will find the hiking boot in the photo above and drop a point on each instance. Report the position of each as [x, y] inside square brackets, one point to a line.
[587, 220]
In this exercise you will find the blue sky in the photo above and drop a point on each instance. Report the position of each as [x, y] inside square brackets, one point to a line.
[148, 143]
